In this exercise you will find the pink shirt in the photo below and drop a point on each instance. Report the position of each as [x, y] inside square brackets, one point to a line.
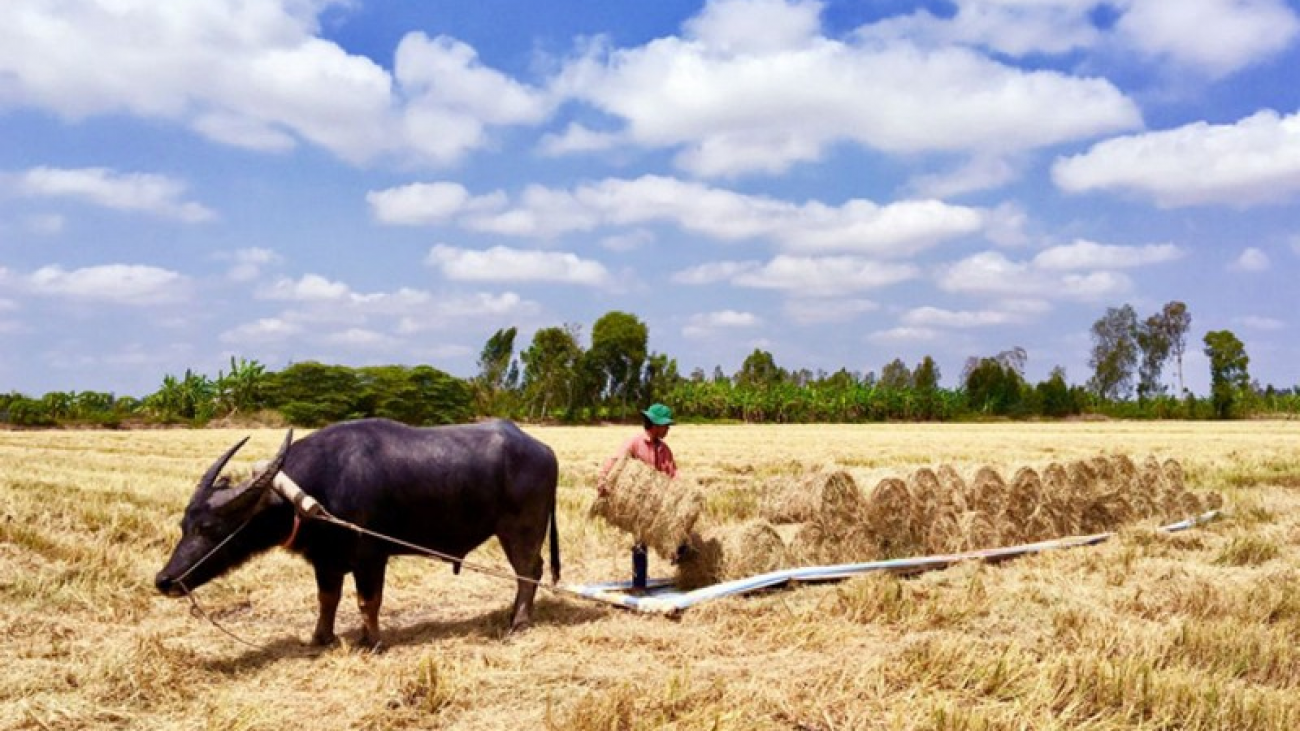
[640, 446]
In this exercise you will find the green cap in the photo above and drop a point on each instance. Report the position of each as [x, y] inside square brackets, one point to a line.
[659, 415]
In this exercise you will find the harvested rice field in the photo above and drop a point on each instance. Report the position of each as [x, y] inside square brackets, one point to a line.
[1191, 630]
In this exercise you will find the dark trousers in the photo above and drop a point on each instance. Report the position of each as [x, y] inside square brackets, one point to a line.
[640, 566]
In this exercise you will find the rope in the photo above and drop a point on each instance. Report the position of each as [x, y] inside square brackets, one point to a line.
[325, 517]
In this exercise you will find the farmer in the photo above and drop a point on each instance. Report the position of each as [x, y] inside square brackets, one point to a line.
[649, 447]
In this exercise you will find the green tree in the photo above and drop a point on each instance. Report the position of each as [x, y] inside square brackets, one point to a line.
[1153, 343]
[896, 376]
[498, 373]
[759, 370]
[1229, 371]
[1175, 321]
[314, 394]
[618, 354]
[995, 385]
[1054, 396]
[550, 371]
[1114, 353]
[240, 390]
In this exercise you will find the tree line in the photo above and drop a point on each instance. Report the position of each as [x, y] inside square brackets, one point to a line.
[556, 379]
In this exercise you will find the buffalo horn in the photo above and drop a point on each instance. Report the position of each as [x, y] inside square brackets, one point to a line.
[210, 476]
[267, 475]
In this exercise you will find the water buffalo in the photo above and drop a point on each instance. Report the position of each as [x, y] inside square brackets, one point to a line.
[448, 488]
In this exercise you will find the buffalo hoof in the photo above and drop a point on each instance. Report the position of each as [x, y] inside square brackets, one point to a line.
[324, 640]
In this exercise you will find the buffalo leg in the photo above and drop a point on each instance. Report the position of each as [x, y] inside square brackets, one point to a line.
[526, 559]
[369, 576]
[329, 589]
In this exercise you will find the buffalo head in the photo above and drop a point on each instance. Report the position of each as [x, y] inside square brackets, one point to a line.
[224, 524]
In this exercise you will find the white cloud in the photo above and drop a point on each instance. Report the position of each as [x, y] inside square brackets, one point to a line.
[904, 335]
[1216, 37]
[427, 203]
[991, 273]
[255, 74]
[934, 317]
[977, 174]
[1090, 255]
[503, 264]
[734, 102]
[262, 330]
[706, 324]
[247, 264]
[824, 276]
[308, 288]
[124, 284]
[157, 195]
[856, 226]
[713, 272]
[451, 98]
[1012, 27]
[1256, 160]
[1251, 260]
[817, 310]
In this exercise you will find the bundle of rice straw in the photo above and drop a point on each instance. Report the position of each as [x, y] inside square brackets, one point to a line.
[891, 518]
[986, 492]
[954, 487]
[656, 509]
[801, 499]
[732, 552]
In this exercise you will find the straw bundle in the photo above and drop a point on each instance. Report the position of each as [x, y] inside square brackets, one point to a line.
[928, 499]
[656, 509]
[953, 486]
[732, 552]
[986, 492]
[891, 519]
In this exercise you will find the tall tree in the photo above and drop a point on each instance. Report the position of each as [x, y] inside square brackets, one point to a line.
[497, 371]
[895, 375]
[1175, 321]
[759, 371]
[1229, 370]
[1152, 339]
[550, 370]
[1114, 353]
[618, 353]
[926, 376]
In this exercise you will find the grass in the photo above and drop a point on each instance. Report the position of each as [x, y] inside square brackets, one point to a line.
[1195, 630]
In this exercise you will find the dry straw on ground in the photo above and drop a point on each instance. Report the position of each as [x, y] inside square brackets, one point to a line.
[1192, 631]
[656, 509]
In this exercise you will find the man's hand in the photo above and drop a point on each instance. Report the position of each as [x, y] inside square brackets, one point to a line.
[602, 488]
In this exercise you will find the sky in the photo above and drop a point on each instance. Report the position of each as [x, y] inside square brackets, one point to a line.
[839, 184]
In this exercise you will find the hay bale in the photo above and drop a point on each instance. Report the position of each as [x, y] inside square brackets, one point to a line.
[987, 492]
[927, 495]
[794, 499]
[953, 486]
[813, 545]
[840, 502]
[1174, 475]
[656, 509]
[891, 519]
[1024, 494]
[732, 552]
[974, 530]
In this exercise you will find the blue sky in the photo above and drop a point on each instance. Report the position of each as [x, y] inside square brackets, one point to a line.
[838, 183]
